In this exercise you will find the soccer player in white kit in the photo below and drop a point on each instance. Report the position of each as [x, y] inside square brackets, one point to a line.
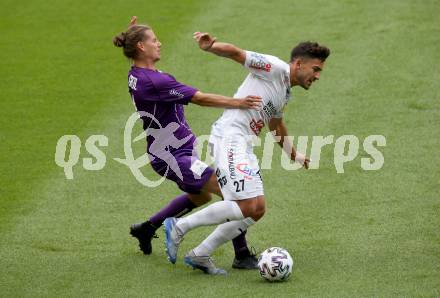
[237, 168]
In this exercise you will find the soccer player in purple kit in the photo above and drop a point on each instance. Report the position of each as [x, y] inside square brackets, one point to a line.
[159, 98]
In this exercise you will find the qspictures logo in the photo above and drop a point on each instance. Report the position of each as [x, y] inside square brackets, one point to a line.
[345, 150]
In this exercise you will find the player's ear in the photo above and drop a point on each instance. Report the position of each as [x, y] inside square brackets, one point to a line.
[140, 46]
[297, 63]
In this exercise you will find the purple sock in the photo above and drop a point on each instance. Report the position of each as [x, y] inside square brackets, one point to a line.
[178, 207]
[240, 246]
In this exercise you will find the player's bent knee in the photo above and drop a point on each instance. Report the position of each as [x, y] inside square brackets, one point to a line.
[258, 214]
[261, 212]
[253, 207]
[260, 208]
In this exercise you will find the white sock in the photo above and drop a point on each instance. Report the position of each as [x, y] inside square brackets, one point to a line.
[214, 214]
[222, 234]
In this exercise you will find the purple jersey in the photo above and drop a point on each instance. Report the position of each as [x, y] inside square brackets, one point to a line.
[162, 97]
[170, 141]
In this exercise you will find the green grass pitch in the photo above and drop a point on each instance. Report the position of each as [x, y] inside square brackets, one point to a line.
[357, 234]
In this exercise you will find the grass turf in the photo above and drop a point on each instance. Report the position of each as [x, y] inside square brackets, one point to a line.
[353, 234]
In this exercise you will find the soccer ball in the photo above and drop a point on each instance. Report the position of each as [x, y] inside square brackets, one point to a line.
[275, 264]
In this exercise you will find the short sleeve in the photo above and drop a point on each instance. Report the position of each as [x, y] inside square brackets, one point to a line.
[170, 90]
[265, 66]
[142, 89]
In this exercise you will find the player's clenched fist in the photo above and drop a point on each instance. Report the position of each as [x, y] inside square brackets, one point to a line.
[205, 40]
[302, 159]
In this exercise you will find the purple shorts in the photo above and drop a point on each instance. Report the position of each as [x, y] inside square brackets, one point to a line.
[185, 169]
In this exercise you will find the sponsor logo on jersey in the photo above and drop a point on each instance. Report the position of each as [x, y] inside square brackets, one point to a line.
[132, 81]
[174, 92]
[231, 167]
[259, 62]
[269, 109]
[256, 126]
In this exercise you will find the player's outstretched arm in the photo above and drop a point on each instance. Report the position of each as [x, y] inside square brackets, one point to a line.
[277, 126]
[220, 101]
[210, 44]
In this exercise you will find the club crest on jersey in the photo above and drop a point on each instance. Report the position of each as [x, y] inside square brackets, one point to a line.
[256, 126]
[260, 62]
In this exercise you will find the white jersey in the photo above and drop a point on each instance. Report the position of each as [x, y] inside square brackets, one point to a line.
[269, 78]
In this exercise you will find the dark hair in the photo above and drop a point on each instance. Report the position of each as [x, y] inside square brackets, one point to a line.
[128, 40]
[310, 49]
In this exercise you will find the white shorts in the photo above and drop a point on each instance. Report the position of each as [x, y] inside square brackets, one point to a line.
[236, 168]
